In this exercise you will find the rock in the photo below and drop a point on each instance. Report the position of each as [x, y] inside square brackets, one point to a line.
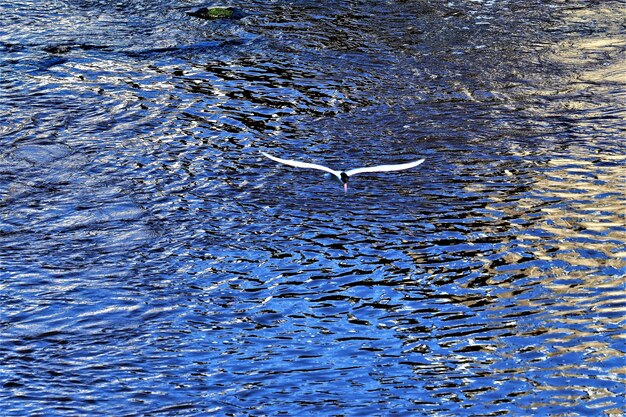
[213, 13]
[58, 49]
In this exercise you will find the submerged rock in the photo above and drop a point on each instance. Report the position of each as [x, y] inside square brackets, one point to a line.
[64, 48]
[212, 13]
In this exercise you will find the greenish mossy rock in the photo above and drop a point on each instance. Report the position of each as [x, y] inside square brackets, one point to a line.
[213, 13]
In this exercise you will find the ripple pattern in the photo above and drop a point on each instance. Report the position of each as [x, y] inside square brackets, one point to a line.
[152, 262]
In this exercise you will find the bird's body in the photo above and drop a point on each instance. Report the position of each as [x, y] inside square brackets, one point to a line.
[344, 176]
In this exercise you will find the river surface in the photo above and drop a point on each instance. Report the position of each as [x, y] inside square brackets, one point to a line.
[153, 262]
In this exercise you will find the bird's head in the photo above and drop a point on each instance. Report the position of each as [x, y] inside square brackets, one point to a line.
[344, 180]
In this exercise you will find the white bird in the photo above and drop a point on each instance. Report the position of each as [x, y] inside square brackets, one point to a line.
[344, 176]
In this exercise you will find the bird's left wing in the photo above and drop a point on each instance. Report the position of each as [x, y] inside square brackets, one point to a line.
[385, 168]
[299, 164]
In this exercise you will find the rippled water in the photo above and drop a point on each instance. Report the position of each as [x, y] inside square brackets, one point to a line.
[152, 262]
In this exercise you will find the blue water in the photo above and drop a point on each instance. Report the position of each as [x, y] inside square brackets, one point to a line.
[153, 262]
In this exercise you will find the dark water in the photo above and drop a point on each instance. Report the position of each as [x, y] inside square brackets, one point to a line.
[152, 262]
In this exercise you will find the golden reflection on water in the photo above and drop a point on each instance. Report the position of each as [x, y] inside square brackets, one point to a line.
[576, 222]
[587, 221]
[567, 238]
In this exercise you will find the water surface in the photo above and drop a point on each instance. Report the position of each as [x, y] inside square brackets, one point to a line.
[152, 262]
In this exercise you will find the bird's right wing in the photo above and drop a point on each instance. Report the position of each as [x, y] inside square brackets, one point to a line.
[299, 164]
[385, 168]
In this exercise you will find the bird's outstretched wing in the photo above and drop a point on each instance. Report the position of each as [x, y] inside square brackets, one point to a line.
[385, 168]
[299, 164]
